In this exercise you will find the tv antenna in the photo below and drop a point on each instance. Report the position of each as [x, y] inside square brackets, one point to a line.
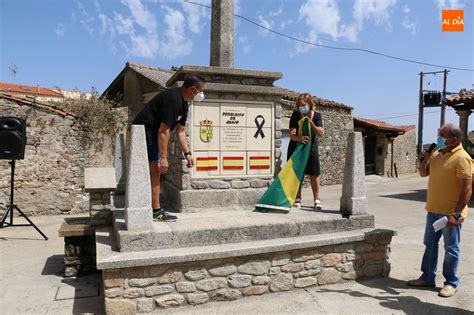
[14, 69]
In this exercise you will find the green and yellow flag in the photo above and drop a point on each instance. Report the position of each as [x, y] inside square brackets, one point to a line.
[282, 192]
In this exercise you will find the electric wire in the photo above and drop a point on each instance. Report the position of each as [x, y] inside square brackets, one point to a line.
[335, 47]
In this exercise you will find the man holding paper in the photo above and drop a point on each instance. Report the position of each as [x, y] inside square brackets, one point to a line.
[450, 171]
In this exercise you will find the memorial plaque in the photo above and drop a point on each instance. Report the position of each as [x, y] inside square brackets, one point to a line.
[232, 139]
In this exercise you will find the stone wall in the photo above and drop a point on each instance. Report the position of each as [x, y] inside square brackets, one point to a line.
[404, 153]
[50, 179]
[148, 289]
[332, 146]
[79, 255]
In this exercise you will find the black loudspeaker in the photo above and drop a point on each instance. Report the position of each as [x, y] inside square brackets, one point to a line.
[12, 138]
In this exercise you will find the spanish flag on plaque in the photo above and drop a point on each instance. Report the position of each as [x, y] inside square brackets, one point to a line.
[206, 163]
[282, 192]
[259, 162]
[232, 163]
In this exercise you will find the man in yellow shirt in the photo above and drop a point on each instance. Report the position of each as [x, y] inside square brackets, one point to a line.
[450, 172]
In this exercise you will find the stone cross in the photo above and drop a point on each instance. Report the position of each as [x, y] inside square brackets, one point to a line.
[138, 212]
[354, 200]
[222, 33]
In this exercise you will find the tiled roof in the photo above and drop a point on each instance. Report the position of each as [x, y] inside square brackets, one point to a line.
[464, 97]
[156, 74]
[30, 101]
[292, 95]
[28, 90]
[381, 125]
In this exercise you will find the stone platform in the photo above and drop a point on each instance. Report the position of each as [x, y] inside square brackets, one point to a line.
[220, 255]
[223, 227]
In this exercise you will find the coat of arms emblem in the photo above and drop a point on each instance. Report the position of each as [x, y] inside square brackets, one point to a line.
[205, 131]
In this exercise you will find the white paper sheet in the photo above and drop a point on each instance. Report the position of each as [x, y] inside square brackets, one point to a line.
[440, 223]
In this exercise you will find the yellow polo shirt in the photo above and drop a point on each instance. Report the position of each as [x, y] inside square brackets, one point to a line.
[446, 169]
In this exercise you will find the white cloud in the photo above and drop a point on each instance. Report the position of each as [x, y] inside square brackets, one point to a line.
[266, 23]
[322, 16]
[139, 28]
[176, 44]
[195, 14]
[85, 19]
[276, 13]
[376, 10]
[450, 4]
[60, 30]
[301, 48]
[407, 21]
[246, 47]
[141, 15]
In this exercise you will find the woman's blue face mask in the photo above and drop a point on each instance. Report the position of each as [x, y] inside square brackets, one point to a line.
[304, 109]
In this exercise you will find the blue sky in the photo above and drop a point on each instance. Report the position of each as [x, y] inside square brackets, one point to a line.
[79, 44]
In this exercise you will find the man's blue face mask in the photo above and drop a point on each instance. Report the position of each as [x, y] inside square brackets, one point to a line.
[441, 143]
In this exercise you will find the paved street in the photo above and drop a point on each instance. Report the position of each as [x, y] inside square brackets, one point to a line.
[31, 269]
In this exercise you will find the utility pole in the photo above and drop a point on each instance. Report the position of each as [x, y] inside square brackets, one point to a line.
[443, 101]
[422, 105]
[419, 147]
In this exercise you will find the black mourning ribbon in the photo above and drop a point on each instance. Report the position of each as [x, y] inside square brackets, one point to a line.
[259, 126]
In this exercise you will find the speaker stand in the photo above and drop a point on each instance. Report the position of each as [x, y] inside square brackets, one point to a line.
[12, 207]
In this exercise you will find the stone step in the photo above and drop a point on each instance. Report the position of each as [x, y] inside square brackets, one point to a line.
[109, 258]
[220, 227]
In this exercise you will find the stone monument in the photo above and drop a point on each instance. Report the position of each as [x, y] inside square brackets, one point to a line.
[234, 134]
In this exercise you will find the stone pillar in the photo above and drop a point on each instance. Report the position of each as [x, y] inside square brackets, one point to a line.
[463, 124]
[222, 33]
[354, 200]
[138, 211]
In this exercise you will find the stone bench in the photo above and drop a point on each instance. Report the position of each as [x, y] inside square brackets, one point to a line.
[79, 232]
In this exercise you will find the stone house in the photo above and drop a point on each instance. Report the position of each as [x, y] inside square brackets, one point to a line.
[389, 150]
[50, 179]
[136, 84]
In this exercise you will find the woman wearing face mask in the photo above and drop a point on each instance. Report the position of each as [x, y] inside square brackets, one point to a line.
[305, 107]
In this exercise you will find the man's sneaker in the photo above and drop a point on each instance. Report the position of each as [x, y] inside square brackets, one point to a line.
[318, 205]
[297, 203]
[162, 215]
[420, 283]
[447, 291]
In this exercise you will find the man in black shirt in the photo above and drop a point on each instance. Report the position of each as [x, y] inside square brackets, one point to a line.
[165, 112]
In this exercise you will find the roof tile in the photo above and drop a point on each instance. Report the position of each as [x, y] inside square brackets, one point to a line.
[381, 125]
[28, 90]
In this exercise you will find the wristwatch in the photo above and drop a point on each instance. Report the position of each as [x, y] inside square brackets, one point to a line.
[456, 215]
[187, 153]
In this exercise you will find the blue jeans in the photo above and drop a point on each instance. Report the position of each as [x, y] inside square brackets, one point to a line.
[452, 238]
